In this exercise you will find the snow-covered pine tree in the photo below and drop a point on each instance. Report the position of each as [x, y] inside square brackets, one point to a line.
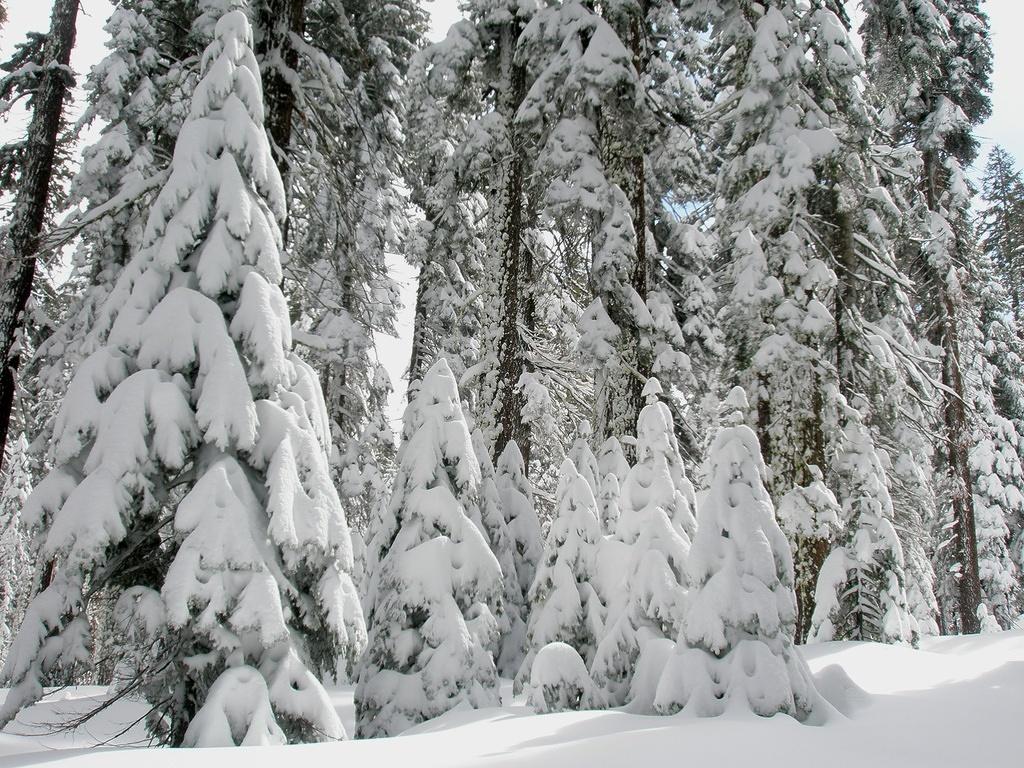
[655, 526]
[434, 595]
[335, 112]
[997, 393]
[448, 246]
[497, 159]
[931, 61]
[15, 558]
[1002, 224]
[119, 175]
[516, 492]
[511, 642]
[861, 591]
[589, 111]
[776, 324]
[736, 649]
[195, 404]
[803, 215]
[565, 606]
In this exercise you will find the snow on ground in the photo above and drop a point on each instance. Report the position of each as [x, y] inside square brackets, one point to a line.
[958, 701]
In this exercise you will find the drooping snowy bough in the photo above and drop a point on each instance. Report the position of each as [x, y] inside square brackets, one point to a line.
[736, 648]
[434, 596]
[190, 460]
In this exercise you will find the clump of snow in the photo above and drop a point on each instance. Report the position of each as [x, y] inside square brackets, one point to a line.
[236, 713]
[559, 681]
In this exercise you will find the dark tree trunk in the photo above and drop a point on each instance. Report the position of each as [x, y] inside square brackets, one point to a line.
[418, 356]
[514, 275]
[625, 159]
[946, 326]
[276, 21]
[18, 269]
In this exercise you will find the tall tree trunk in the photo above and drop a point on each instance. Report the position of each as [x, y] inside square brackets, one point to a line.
[514, 276]
[418, 356]
[946, 333]
[622, 400]
[18, 267]
[276, 21]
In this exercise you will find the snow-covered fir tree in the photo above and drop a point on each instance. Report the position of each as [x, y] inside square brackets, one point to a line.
[802, 214]
[994, 381]
[339, 68]
[517, 504]
[434, 596]
[736, 649]
[197, 403]
[1002, 224]
[31, 171]
[589, 113]
[511, 641]
[931, 61]
[140, 113]
[861, 590]
[645, 587]
[565, 606]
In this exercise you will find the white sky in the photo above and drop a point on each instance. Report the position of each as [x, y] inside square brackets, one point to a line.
[1006, 126]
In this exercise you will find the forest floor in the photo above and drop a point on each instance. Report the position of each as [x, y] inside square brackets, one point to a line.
[958, 701]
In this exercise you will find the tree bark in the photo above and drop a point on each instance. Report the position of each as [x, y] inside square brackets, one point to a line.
[514, 277]
[18, 267]
[277, 20]
[418, 358]
[946, 334]
[625, 153]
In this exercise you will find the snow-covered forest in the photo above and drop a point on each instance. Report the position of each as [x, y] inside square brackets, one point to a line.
[713, 411]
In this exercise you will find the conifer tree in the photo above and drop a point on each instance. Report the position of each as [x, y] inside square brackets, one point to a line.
[511, 642]
[656, 523]
[197, 403]
[612, 469]
[565, 605]
[131, 91]
[1002, 224]
[994, 381]
[737, 645]
[517, 504]
[931, 60]
[593, 109]
[431, 623]
[336, 114]
[559, 681]
[861, 591]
